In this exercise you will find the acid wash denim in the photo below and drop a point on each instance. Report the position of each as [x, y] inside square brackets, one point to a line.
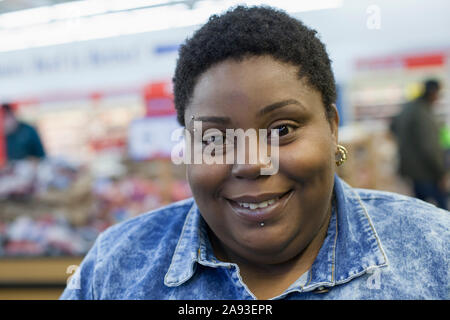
[379, 245]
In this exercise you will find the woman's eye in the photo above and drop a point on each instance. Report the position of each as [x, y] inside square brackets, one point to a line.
[283, 129]
[216, 139]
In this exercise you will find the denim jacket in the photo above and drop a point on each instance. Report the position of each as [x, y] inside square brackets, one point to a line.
[379, 245]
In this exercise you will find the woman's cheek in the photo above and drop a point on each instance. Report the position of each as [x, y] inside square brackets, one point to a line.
[206, 179]
[306, 158]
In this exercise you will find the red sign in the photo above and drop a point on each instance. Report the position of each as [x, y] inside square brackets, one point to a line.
[108, 143]
[158, 99]
[429, 60]
[403, 61]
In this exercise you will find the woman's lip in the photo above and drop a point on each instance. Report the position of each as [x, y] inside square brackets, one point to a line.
[257, 198]
[261, 214]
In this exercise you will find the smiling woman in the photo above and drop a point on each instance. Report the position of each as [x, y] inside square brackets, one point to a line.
[298, 233]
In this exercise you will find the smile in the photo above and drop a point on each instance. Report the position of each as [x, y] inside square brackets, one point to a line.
[253, 206]
[260, 208]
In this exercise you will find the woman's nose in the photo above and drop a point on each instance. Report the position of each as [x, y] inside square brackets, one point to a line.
[249, 169]
[252, 159]
[246, 171]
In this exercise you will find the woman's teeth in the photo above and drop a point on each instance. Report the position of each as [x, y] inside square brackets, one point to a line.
[253, 206]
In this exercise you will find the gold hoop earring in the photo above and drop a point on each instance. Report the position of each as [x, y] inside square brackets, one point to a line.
[342, 155]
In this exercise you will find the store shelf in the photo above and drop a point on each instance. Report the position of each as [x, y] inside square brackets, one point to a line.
[30, 293]
[35, 278]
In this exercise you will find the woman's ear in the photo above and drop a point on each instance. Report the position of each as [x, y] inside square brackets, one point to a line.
[333, 119]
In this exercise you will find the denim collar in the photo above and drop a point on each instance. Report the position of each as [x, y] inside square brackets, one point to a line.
[350, 249]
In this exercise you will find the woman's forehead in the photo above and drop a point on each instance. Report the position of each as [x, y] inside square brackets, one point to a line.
[238, 72]
[255, 82]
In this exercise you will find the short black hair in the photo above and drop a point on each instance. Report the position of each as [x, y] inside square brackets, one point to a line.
[253, 31]
[8, 108]
[430, 86]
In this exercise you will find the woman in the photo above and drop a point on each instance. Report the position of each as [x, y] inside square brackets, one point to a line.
[301, 233]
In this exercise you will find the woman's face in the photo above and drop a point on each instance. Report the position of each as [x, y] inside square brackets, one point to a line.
[296, 200]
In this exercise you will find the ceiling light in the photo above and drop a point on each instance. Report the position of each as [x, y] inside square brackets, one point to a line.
[87, 20]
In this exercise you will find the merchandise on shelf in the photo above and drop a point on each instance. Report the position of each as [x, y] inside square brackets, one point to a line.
[53, 207]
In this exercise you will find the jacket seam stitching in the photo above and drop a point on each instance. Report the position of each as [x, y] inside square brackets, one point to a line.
[373, 230]
[334, 249]
[166, 282]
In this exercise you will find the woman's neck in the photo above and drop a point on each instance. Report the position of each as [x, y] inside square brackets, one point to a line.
[269, 280]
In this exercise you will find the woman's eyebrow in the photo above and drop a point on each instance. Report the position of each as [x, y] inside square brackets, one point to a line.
[214, 119]
[265, 110]
[280, 104]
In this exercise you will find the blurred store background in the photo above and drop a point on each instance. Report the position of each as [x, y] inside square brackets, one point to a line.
[93, 78]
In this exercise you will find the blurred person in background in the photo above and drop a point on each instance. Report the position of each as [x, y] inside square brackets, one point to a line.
[22, 140]
[421, 156]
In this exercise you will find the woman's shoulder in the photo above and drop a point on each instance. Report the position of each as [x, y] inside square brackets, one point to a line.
[408, 237]
[137, 248]
[406, 221]
[414, 236]
[393, 204]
